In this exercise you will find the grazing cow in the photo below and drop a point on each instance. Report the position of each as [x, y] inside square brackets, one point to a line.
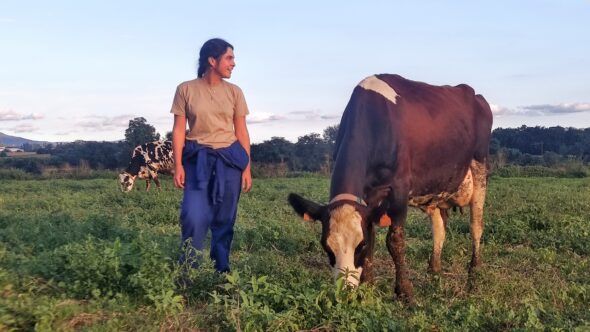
[402, 143]
[147, 161]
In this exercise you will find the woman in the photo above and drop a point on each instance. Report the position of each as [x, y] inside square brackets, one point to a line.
[212, 162]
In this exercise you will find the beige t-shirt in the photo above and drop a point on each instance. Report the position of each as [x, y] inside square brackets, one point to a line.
[210, 111]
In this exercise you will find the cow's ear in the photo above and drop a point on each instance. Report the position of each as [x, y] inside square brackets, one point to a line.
[306, 209]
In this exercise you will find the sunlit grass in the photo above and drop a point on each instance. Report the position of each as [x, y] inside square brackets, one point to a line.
[79, 254]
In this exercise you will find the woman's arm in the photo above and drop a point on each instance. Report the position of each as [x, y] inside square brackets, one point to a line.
[244, 139]
[178, 137]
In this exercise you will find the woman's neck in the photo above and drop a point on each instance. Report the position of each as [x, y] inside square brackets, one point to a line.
[212, 78]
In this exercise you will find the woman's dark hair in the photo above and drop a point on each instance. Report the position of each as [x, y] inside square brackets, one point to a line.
[215, 48]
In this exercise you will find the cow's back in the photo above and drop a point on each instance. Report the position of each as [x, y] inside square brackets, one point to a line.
[425, 133]
[442, 128]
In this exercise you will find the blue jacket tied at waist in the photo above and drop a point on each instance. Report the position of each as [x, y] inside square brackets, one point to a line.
[196, 154]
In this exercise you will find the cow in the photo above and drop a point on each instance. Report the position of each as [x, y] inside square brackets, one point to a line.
[147, 161]
[402, 143]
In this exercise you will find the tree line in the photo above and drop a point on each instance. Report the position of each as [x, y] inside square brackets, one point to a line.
[313, 152]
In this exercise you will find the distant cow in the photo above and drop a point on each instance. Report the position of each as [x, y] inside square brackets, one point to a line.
[147, 161]
[402, 143]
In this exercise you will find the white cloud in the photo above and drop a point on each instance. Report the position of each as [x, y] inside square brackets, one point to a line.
[7, 20]
[105, 122]
[308, 115]
[564, 108]
[11, 115]
[65, 133]
[499, 110]
[293, 116]
[264, 118]
[24, 128]
[330, 116]
[541, 110]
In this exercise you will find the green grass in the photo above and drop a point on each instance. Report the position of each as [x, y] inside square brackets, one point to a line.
[79, 254]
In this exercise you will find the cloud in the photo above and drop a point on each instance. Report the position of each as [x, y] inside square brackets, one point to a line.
[557, 109]
[264, 118]
[500, 110]
[11, 115]
[24, 128]
[330, 116]
[65, 133]
[291, 116]
[105, 122]
[7, 20]
[541, 110]
[307, 115]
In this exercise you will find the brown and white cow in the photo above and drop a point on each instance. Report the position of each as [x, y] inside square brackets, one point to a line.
[402, 143]
[147, 161]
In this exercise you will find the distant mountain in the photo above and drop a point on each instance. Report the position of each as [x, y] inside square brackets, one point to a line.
[7, 140]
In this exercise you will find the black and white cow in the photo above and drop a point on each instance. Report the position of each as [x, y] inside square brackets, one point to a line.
[147, 161]
[402, 143]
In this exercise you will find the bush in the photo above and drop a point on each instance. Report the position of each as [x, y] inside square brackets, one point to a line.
[269, 170]
[258, 304]
[568, 171]
[15, 174]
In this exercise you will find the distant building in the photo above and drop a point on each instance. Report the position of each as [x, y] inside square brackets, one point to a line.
[10, 149]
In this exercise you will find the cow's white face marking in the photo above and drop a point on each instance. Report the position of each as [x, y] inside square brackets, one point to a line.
[344, 236]
[377, 85]
[126, 181]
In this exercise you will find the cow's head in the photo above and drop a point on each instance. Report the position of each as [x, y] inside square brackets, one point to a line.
[346, 226]
[126, 181]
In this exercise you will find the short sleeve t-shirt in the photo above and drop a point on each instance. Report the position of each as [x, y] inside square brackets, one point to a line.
[210, 111]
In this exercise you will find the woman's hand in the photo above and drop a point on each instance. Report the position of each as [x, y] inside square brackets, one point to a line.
[179, 177]
[246, 180]
[244, 139]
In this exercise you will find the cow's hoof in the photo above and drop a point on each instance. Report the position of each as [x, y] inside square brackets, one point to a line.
[406, 299]
[405, 292]
[475, 265]
[367, 278]
[434, 268]
[473, 277]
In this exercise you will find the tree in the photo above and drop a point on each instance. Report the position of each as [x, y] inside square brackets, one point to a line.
[275, 150]
[330, 134]
[140, 132]
[311, 153]
[169, 136]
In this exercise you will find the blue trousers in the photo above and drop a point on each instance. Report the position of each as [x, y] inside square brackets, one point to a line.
[200, 211]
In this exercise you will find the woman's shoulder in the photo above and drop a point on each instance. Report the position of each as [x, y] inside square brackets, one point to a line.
[190, 83]
[236, 90]
[190, 87]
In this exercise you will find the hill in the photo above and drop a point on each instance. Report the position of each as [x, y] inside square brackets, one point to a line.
[7, 140]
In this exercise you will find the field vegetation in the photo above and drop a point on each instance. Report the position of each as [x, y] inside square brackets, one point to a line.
[79, 254]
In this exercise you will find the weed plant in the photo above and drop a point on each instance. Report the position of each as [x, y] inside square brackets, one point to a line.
[80, 255]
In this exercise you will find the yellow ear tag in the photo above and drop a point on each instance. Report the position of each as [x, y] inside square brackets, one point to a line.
[384, 221]
[306, 217]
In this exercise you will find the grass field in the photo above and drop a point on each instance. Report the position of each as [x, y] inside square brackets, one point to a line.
[80, 255]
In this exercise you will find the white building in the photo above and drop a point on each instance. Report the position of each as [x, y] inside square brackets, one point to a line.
[10, 149]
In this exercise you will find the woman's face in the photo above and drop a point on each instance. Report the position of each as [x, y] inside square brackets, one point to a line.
[224, 66]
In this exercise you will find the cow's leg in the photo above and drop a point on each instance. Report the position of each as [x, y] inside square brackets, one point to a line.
[147, 184]
[157, 182]
[476, 206]
[397, 249]
[437, 218]
[367, 274]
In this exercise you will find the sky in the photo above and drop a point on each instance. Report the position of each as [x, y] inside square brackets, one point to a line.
[80, 70]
